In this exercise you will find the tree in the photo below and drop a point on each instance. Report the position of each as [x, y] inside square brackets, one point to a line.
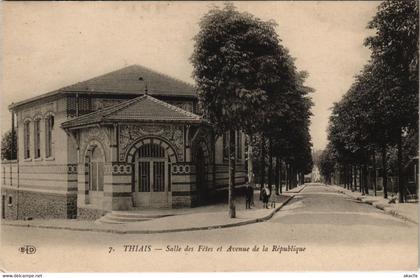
[395, 47]
[234, 58]
[287, 125]
[8, 145]
[327, 163]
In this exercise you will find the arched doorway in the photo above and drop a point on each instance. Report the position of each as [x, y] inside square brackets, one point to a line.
[95, 164]
[151, 180]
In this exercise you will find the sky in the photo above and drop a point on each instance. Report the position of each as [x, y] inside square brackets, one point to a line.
[45, 46]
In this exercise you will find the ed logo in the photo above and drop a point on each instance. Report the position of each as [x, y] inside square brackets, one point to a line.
[27, 249]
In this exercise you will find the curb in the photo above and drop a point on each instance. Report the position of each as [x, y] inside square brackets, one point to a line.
[212, 227]
[381, 206]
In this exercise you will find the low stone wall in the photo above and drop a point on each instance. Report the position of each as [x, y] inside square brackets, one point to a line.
[38, 205]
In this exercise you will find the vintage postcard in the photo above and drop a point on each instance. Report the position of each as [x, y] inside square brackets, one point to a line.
[209, 136]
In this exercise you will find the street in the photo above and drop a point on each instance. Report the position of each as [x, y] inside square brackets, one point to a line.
[323, 229]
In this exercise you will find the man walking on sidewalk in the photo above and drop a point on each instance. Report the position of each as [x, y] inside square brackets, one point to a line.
[249, 192]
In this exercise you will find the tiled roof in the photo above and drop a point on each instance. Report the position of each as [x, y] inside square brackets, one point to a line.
[140, 109]
[127, 81]
[130, 80]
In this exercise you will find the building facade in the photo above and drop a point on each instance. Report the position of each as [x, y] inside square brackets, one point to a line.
[129, 139]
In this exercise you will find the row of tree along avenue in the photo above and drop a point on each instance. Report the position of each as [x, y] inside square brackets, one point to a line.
[247, 81]
[373, 129]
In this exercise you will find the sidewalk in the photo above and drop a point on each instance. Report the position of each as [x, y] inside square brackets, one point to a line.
[406, 211]
[201, 218]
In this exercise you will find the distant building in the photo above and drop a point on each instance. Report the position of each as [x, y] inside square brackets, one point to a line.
[315, 175]
[132, 138]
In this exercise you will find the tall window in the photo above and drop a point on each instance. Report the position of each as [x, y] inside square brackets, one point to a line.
[26, 141]
[49, 124]
[37, 137]
[238, 145]
[96, 171]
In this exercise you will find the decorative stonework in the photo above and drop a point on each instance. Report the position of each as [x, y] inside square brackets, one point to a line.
[99, 134]
[40, 110]
[182, 169]
[128, 134]
[118, 169]
[72, 168]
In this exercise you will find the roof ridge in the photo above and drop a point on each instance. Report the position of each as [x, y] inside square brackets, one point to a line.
[164, 75]
[173, 107]
[127, 67]
[116, 112]
[123, 105]
[106, 110]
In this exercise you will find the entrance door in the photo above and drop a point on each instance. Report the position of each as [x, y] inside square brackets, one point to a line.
[151, 180]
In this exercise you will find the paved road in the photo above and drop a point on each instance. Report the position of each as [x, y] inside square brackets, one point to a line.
[320, 228]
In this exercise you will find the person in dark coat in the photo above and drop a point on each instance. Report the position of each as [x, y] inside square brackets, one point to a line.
[251, 192]
[265, 196]
[248, 196]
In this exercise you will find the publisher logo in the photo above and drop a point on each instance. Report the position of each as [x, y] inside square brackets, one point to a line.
[27, 249]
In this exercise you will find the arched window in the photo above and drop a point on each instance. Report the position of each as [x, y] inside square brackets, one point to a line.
[96, 170]
[26, 140]
[37, 137]
[49, 125]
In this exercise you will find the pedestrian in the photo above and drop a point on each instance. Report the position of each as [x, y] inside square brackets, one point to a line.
[265, 196]
[273, 199]
[248, 196]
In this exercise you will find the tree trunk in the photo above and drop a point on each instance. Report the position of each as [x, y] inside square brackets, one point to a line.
[347, 177]
[365, 179]
[384, 172]
[290, 176]
[270, 164]
[401, 189]
[287, 170]
[262, 162]
[355, 177]
[232, 210]
[344, 176]
[277, 175]
[280, 176]
[351, 177]
[250, 162]
[360, 180]
[374, 172]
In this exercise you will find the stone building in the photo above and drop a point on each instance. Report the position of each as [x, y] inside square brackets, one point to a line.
[127, 140]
